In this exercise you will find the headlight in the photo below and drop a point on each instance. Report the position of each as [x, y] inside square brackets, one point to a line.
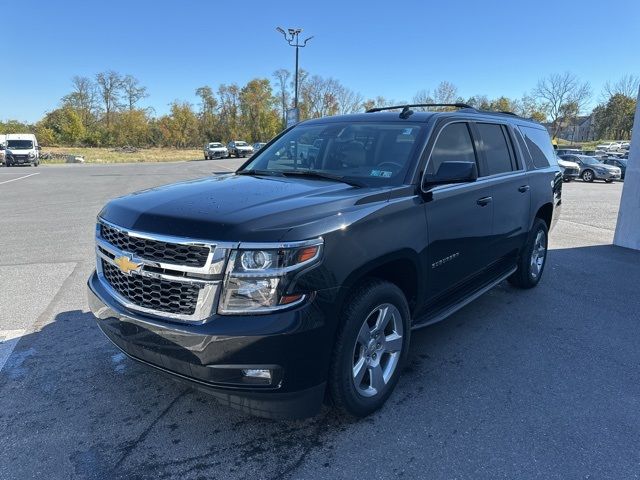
[32, 155]
[256, 279]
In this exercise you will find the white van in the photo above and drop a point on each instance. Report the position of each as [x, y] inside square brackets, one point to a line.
[21, 149]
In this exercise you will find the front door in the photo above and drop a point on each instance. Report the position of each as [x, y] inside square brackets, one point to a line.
[459, 216]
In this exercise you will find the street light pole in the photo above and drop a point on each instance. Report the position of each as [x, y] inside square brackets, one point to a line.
[292, 37]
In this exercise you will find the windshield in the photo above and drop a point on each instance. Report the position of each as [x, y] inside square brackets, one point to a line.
[378, 153]
[589, 160]
[215, 145]
[20, 144]
[241, 144]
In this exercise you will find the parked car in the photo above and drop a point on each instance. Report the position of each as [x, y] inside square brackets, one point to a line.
[21, 149]
[215, 150]
[2, 147]
[281, 285]
[625, 146]
[621, 163]
[239, 148]
[609, 146]
[258, 145]
[570, 170]
[593, 169]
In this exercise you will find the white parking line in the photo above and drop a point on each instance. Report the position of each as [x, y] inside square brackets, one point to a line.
[8, 341]
[20, 178]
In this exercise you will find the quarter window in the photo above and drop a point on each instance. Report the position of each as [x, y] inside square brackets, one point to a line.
[539, 145]
[495, 148]
[453, 144]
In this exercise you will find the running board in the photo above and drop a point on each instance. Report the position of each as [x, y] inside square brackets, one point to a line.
[427, 320]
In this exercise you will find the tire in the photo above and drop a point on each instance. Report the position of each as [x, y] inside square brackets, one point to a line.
[381, 360]
[609, 181]
[530, 269]
[588, 176]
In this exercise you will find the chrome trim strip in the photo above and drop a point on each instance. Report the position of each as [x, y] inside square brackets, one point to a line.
[214, 266]
[279, 245]
[207, 297]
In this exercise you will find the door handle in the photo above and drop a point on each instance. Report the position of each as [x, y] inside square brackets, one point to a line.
[484, 201]
[523, 188]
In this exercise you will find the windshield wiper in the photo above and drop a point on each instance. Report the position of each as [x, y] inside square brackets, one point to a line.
[328, 176]
[267, 173]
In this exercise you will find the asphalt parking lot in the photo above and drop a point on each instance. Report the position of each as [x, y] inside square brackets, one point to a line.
[519, 384]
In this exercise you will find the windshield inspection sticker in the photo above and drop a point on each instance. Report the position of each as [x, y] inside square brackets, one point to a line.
[381, 173]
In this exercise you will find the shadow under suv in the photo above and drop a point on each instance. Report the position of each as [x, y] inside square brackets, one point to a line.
[299, 278]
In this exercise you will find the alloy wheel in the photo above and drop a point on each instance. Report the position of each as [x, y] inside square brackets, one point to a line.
[539, 253]
[377, 350]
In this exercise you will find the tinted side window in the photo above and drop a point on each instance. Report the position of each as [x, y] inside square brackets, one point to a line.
[539, 145]
[453, 144]
[495, 148]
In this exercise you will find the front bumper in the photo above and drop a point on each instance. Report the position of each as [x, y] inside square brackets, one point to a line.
[218, 153]
[607, 176]
[294, 345]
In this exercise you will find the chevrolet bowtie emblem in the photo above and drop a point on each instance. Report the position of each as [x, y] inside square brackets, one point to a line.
[126, 265]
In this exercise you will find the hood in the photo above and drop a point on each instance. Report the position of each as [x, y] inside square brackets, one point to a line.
[236, 208]
[567, 163]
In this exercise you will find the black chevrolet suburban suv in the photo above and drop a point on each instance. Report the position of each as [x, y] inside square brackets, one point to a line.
[300, 277]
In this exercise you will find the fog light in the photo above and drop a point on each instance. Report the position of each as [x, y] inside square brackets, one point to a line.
[257, 373]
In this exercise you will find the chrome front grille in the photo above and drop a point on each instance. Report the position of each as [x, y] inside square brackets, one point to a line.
[163, 276]
[153, 293]
[191, 255]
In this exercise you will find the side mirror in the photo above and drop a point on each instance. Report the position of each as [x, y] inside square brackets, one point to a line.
[452, 172]
[39, 147]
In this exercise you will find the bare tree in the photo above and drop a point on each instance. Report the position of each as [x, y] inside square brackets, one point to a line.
[423, 96]
[319, 96]
[348, 100]
[557, 92]
[83, 99]
[110, 86]
[282, 77]
[445, 92]
[133, 91]
[627, 85]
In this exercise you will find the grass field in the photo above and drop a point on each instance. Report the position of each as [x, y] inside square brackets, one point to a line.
[110, 155]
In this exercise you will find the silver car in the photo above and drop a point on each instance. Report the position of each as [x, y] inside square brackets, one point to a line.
[215, 150]
[593, 169]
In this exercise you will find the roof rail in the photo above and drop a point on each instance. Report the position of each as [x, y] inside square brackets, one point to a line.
[407, 106]
[407, 112]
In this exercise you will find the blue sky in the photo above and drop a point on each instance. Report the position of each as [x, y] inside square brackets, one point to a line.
[388, 48]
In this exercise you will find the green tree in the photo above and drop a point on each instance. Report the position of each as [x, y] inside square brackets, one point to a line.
[258, 106]
[131, 127]
[65, 126]
[229, 112]
[208, 120]
[180, 127]
[614, 119]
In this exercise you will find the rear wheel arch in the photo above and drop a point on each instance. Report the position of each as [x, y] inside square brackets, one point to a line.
[545, 212]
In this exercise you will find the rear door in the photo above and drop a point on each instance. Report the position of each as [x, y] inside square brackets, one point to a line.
[509, 185]
[459, 216]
